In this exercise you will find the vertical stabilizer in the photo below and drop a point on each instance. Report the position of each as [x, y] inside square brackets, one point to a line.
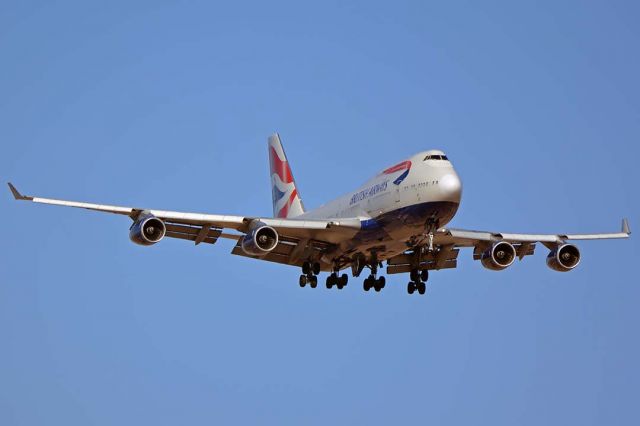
[286, 199]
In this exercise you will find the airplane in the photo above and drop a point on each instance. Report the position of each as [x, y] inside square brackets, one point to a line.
[398, 216]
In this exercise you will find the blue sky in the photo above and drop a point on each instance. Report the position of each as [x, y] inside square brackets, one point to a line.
[168, 105]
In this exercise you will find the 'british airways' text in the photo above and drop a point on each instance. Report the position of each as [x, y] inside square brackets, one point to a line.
[369, 192]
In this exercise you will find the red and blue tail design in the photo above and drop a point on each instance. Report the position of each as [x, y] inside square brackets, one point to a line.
[286, 200]
[405, 165]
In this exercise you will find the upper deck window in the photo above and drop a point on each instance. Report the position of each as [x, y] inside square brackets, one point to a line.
[435, 157]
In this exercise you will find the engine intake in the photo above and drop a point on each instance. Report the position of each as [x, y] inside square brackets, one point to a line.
[563, 258]
[147, 230]
[260, 240]
[499, 256]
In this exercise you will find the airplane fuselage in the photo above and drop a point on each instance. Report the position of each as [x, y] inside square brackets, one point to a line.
[401, 203]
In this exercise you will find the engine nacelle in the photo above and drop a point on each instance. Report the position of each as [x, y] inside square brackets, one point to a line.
[499, 256]
[563, 258]
[147, 230]
[260, 240]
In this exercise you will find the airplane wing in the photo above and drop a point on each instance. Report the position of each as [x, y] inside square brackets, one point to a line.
[463, 237]
[297, 236]
[448, 241]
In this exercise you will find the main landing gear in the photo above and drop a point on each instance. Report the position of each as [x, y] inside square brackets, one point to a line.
[338, 281]
[310, 271]
[309, 275]
[371, 282]
[418, 281]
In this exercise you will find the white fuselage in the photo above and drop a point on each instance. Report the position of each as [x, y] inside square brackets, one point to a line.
[394, 208]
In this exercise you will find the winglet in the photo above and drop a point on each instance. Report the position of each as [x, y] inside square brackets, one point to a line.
[17, 195]
[625, 227]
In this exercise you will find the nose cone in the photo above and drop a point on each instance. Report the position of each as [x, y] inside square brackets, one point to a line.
[450, 187]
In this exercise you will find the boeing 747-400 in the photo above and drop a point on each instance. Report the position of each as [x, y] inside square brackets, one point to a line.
[399, 217]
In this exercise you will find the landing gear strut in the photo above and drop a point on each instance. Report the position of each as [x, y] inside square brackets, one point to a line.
[418, 281]
[431, 226]
[309, 275]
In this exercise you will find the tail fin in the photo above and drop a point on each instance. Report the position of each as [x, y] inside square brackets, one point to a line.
[286, 199]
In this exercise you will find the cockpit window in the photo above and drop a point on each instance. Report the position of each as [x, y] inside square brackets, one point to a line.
[435, 157]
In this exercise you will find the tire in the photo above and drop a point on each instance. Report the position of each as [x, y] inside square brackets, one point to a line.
[422, 287]
[411, 287]
[344, 279]
[382, 281]
[414, 275]
[316, 268]
[303, 280]
[424, 275]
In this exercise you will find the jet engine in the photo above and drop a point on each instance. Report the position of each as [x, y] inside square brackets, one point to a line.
[563, 258]
[499, 256]
[147, 230]
[260, 240]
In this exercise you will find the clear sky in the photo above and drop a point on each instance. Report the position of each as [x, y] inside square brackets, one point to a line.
[168, 105]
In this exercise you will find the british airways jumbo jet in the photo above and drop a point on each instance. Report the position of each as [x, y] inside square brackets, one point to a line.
[398, 216]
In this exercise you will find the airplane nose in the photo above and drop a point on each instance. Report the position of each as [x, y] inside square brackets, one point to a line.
[450, 187]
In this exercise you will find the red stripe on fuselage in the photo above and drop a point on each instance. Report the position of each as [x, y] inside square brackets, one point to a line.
[400, 166]
[279, 167]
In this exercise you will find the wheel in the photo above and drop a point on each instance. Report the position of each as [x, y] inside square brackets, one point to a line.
[306, 268]
[367, 284]
[382, 282]
[330, 281]
[422, 287]
[313, 281]
[303, 280]
[414, 275]
[344, 279]
[316, 268]
[424, 275]
[411, 287]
